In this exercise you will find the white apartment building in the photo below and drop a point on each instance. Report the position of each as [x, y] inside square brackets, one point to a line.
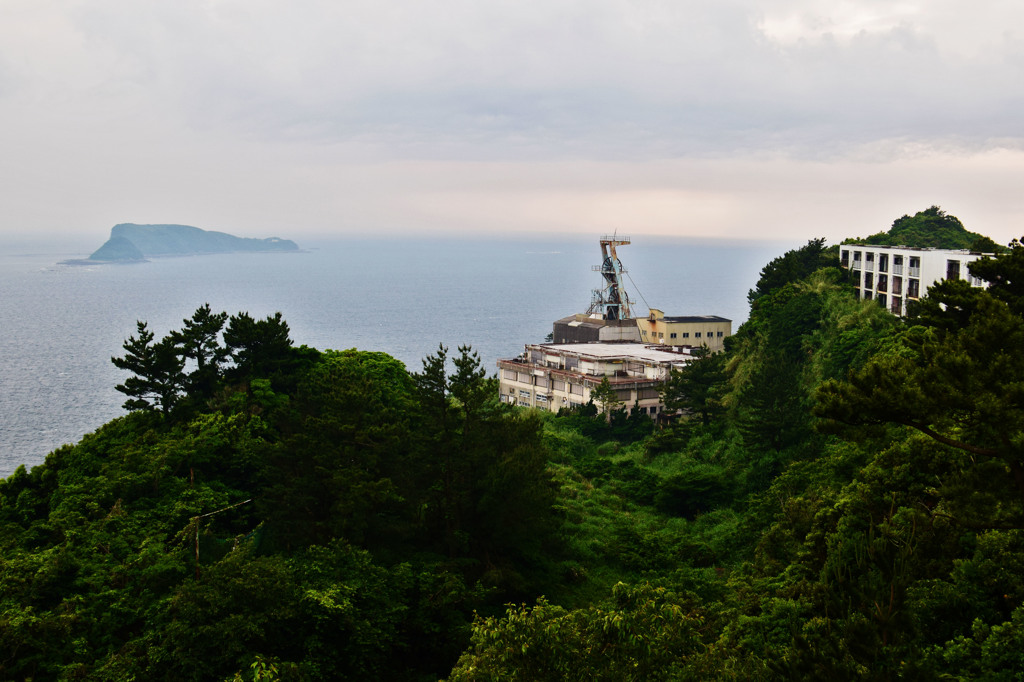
[895, 275]
[551, 376]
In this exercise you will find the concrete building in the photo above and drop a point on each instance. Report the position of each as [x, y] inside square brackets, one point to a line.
[552, 376]
[592, 328]
[693, 330]
[896, 275]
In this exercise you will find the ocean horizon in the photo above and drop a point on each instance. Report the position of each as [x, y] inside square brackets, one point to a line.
[400, 295]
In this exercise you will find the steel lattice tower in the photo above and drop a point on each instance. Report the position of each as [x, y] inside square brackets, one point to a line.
[611, 300]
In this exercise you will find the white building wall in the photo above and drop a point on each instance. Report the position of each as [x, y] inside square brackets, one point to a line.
[894, 274]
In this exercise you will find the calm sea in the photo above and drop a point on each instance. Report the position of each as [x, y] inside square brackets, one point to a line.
[60, 324]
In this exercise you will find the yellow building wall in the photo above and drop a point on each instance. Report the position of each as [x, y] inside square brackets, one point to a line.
[655, 329]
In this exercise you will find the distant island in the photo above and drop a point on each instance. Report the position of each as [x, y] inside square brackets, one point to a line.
[130, 243]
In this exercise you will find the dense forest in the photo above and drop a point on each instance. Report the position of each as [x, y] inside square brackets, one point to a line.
[842, 498]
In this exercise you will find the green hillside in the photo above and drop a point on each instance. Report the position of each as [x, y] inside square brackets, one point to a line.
[934, 228]
[842, 498]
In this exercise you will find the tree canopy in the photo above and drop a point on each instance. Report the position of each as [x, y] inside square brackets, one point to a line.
[840, 496]
[931, 227]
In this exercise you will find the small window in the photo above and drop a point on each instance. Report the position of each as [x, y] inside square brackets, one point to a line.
[672, 335]
[696, 335]
[719, 334]
[686, 335]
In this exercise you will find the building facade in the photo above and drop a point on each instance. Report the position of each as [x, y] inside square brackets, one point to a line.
[591, 328]
[552, 376]
[692, 330]
[897, 275]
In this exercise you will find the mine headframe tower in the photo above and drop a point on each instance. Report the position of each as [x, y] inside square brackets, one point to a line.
[611, 300]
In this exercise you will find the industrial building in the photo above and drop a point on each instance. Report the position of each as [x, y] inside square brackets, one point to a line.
[692, 330]
[897, 275]
[552, 376]
[636, 355]
[610, 315]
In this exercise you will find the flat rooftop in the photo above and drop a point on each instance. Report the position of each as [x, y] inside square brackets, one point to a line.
[612, 351]
[695, 318]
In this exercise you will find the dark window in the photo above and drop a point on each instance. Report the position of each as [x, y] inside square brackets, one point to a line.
[952, 269]
[846, 258]
[869, 281]
[696, 334]
[913, 288]
[897, 285]
[720, 333]
[672, 335]
[883, 282]
[883, 262]
[881, 299]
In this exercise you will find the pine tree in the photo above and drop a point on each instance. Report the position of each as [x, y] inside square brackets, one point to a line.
[258, 347]
[199, 340]
[158, 379]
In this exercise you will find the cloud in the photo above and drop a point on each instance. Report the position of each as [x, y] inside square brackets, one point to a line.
[221, 108]
[570, 78]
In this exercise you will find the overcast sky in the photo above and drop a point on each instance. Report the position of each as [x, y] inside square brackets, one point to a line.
[723, 118]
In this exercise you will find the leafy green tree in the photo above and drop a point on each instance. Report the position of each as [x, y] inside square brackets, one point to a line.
[960, 387]
[645, 633]
[793, 266]
[331, 473]
[697, 388]
[986, 245]
[1005, 275]
[607, 397]
[158, 380]
[773, 409]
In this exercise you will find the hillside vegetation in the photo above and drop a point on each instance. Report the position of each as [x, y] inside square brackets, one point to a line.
[932, 228]
[843, 499]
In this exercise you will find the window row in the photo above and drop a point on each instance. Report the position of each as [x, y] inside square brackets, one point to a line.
[867, 260]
